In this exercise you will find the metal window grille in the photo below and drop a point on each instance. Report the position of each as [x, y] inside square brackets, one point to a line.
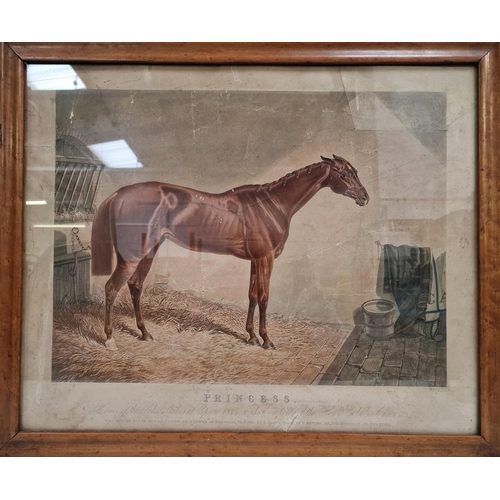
[78, 174]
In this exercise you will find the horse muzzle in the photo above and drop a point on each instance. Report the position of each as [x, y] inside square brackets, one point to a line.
[362, 199]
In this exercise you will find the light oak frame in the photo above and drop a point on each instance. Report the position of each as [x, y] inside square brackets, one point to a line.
[13, 60]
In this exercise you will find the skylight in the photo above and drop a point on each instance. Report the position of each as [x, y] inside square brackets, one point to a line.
[116, 154]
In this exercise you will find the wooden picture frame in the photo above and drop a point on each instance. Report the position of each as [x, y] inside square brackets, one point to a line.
[13, 441]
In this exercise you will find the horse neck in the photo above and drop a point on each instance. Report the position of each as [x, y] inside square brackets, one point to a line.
[294, 192]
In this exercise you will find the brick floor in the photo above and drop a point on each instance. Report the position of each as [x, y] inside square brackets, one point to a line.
[347, 356]
[417, 362]
[311, 365]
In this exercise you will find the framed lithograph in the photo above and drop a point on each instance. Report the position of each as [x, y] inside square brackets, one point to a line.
[250, 249]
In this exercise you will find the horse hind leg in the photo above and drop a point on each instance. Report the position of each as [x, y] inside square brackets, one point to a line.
[135, 285]
[119, 277]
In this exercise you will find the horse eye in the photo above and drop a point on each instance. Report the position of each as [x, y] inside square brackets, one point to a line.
[342, 175]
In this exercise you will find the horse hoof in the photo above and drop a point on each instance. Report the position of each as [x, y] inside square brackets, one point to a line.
[253, 341]
[148, 338]
[111, 345]
[268, 345]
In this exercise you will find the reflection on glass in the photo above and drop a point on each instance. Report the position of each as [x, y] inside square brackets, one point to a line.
[58, 226]
[53, 77]
[36, 202]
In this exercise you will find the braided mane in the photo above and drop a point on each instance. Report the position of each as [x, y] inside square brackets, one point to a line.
[283, 180]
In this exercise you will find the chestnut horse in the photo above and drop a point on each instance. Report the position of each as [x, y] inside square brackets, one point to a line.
[250, 222]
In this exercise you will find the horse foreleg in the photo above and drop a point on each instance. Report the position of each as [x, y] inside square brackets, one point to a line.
[135, 285]
[119, 277]
[252, 302]
[264, 268]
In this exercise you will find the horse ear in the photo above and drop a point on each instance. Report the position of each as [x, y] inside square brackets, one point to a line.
[325, 159]
[335, 157]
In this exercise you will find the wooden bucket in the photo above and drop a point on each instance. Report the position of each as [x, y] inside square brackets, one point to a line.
[379, 318]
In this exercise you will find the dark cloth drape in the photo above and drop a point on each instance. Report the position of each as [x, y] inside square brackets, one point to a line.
[407, 275]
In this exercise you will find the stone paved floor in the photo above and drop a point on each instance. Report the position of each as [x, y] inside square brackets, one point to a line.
[399, 361]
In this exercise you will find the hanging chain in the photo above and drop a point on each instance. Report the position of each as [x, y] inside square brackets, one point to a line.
[73, 268]
[74, 235]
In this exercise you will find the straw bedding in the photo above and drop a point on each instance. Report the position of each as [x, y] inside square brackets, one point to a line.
[197, 341]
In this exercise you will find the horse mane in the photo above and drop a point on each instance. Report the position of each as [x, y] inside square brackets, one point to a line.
[296, 173]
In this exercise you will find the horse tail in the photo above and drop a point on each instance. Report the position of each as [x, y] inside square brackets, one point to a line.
[102, 241]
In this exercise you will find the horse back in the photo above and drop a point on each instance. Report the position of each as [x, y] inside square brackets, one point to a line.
[240, 222]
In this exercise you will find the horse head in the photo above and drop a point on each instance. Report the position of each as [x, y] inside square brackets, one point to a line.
[343, 179]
